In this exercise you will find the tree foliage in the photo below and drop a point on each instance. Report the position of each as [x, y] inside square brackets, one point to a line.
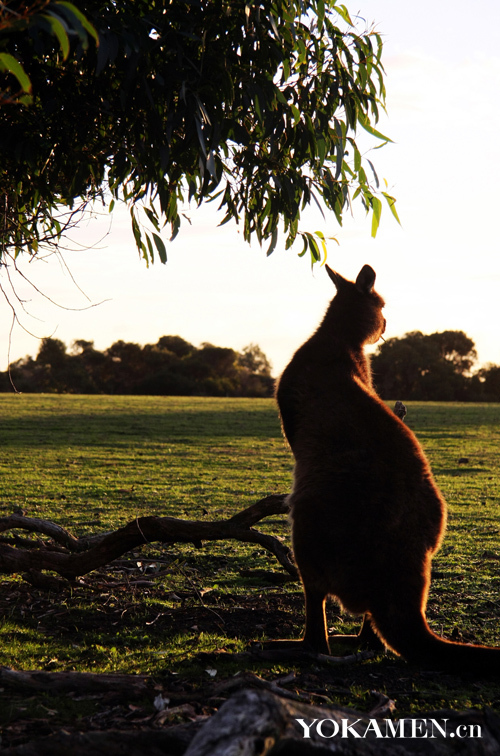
[254, 105]
[36, 38]
[172, 366]
[489, 380]
[433, 367]
[56, 18]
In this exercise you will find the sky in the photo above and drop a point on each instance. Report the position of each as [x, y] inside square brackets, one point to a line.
[439, 270]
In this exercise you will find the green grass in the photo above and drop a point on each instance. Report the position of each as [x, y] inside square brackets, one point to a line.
[465, 592]
[103, 460]
[91, 464]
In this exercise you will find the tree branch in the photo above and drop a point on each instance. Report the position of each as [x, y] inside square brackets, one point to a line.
[81, 556]
[35, 525]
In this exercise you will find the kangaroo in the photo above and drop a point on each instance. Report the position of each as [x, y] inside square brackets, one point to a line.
[366, 513]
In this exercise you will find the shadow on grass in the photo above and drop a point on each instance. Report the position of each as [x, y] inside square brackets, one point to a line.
[109, 428]
[458, 472]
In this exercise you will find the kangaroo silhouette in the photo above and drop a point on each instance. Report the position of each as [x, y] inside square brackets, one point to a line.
[366, 513]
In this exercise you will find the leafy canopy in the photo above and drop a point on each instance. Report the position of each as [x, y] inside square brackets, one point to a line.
[254, 105]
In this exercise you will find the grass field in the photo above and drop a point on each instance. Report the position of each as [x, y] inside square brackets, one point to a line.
[91, 464]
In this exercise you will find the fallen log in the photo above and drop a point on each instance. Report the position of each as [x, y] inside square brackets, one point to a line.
[256, 722]
[77, 557]
[79, 683]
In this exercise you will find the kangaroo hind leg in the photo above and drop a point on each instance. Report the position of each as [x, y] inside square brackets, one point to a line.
[315, 637]
[316, 633]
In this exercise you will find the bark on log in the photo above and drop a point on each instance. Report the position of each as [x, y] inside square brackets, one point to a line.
[133, 686]
[81, 556]
[148, 742]
[256, 722]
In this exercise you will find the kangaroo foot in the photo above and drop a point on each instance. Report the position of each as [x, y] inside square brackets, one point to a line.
[356, 642]
[290, 650]
[284, 643]
[284, 649]
[368, 637]
[346, 641]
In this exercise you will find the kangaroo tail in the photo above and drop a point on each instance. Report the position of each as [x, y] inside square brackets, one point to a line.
[408, 634]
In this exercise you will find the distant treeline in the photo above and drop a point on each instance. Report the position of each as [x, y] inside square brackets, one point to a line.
[433, 367]
[172, 366]
[416, 366]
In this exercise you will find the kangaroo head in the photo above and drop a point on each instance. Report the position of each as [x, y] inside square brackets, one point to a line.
[358, 307]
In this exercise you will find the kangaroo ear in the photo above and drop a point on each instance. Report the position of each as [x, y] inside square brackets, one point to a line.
[365, 280]
[337, 279]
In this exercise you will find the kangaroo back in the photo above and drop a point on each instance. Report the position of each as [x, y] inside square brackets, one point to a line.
[366, 513]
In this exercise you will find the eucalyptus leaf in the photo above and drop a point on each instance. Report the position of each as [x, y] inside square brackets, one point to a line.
[160, 246]
[377, 212]
[391, 201]
[60, 32]
[365, 123]
[9, 63]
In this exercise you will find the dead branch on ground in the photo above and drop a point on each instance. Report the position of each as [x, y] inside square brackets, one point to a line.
[71, 557]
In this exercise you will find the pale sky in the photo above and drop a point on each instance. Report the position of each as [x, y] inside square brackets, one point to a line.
[440, 270]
